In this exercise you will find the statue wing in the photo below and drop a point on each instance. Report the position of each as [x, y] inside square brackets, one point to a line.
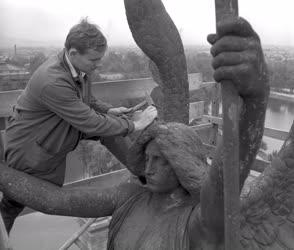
[267, 204]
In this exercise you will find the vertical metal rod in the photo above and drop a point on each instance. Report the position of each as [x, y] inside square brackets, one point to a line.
[87, 93]
[230, 102]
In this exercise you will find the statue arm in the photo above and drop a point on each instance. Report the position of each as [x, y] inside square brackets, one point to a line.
[99, 106]
[156, 34]
[250, 79]
[251, 131]
[51, 199]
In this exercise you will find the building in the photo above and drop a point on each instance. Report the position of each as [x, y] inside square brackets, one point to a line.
[12, 77]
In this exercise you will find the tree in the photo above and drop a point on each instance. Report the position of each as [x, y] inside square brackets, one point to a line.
[281, 73]
[18, 60]
[36, 61]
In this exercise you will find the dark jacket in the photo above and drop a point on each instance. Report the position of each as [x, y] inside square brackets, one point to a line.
[48, 121]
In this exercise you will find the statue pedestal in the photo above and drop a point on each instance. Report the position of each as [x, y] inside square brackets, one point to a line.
[96, 235]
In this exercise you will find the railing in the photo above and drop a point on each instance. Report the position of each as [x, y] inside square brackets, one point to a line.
[208, 129]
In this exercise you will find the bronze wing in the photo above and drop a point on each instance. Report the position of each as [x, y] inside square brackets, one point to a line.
[267, 204]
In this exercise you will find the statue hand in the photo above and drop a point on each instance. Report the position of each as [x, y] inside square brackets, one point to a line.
[238, 57]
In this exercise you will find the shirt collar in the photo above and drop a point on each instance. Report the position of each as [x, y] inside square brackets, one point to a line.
[73, 71]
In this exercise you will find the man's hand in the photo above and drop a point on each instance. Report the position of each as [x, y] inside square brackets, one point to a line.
[119, 111]
[238, 57]
[145, 118]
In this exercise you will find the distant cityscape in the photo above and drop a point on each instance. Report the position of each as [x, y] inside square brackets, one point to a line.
[18, 63]
[279, 53]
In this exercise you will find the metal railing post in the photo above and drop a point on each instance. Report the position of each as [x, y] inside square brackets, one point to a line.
[87, 93]
[76, 235]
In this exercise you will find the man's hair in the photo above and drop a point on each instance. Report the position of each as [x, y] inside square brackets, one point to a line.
[84, 36]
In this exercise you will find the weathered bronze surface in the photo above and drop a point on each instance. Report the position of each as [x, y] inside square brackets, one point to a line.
[156, 34]
[267, 203]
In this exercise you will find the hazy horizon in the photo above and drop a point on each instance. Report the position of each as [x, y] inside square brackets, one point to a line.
[42, 44]
[46, 23]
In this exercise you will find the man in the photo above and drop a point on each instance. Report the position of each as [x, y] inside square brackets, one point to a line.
[50, 116]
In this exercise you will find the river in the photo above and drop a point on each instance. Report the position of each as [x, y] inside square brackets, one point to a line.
[279, 115]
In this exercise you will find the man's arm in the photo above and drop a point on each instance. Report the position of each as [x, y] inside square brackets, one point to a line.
[238, 57]
[64, 101]
[106, 108]
[99, 106]
[48, 198]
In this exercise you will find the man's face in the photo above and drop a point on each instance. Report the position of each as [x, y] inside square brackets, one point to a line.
[160, 177]
[87, 62]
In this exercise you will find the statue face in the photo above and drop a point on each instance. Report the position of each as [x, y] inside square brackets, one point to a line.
[160, 177]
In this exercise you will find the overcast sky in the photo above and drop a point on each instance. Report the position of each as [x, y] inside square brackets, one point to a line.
[49, 21]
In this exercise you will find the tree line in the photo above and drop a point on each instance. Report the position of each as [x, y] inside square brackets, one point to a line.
[281, 74]
[131, 63]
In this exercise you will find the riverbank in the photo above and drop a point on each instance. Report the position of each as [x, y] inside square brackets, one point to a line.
[282, 96]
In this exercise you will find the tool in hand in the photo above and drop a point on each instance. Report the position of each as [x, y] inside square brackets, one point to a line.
[149, 100]
[138, 106]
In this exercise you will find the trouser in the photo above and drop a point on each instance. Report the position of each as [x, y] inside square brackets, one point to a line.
[10, 209]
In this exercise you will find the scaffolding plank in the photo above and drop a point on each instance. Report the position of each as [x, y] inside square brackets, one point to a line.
[273, 133]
